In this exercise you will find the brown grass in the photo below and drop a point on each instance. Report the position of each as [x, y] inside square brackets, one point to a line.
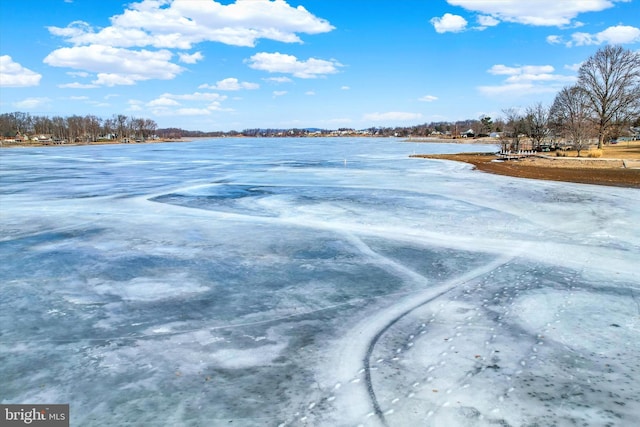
[608, 170]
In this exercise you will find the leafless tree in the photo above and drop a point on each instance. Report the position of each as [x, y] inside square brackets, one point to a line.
[92, 126]
[514, 127]
[611, 81]
[150, 127]
[42, 125]
[75, 128]
[121, 125]
[59, 127]
[537, 123]
[109, 126]
[571, 115]
[137, 127]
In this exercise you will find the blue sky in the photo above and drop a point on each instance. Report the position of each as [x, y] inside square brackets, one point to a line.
[222, 65]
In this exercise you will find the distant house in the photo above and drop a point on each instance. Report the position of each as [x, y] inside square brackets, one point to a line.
[42, 139]
[468, 133]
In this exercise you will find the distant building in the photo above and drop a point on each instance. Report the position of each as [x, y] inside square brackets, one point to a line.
[42, 139]
[468, 133]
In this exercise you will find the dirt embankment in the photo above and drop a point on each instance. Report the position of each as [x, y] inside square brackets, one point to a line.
[586, 171]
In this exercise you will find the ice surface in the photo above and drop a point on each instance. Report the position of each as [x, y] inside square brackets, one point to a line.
[321, 282]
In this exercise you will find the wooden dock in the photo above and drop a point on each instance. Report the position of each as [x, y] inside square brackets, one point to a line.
[515, 155]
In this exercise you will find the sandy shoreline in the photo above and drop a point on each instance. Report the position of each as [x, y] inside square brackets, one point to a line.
[610, 172]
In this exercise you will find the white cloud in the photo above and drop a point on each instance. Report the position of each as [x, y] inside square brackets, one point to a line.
[76, 85]
[78, 98]
[289, 64]
[190, 59]
[163, 102]
[540, 77]
[99, 104]
[230, 83]
[217, 106]
[77, 74]
[392, 116]
[449, 23]
[116, 66]
[515, 90]
[182, 23]
[539, 12]
[279, 93]
[487, 21]
[345, 88]
[32, 103]
[619, 34]
[428, 98]
[278, 79]
[113, 79]
[573, 67]
[175, 24]
[554, 39]
[310, 93]
[189, 104]
[196, 96]
[525, 80]
[192, 112]
[13, 74]
[500, 69]
[185, 111]
[135, 105]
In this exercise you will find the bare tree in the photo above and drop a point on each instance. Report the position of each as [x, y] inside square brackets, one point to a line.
[59, 127]
[537, 123]
[150, 127]
[611, 81]
[109, 126]
[42, 125]
[121, 125]
[514, 127]
[571, 115]
[75, 128]
[92, 126]
[137, 127]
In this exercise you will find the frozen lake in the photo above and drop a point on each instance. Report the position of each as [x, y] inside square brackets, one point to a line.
[320, 282]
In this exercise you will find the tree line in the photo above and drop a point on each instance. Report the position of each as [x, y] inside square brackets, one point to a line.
[603, 104]
[75, 128]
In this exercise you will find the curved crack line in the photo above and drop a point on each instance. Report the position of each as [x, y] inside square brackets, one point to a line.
[367, 358]
[446, 287]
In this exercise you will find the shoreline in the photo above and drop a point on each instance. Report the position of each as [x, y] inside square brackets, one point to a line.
[82, 144]
[195, 138]
[610, 172]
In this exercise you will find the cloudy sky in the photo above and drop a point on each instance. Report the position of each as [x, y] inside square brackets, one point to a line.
[223, 65]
